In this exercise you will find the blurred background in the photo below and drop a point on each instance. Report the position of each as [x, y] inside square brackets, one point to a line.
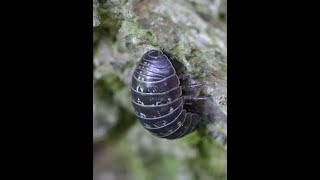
[195, 32]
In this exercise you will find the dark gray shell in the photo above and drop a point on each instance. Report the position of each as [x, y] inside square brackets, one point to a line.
[157, 98]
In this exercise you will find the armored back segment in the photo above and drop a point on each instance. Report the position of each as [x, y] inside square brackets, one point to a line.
[156, 97]
[154, 66]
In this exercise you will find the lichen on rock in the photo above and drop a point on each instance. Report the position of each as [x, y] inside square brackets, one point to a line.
[194, 32]
[96, 16]
[191, 30]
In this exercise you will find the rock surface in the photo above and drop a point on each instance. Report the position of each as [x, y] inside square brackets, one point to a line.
[194, 33]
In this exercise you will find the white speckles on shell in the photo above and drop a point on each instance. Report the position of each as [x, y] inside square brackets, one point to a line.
[158, 103]
[169, 100]
[162, 133]
[155, 88]
[179, 123]
[142, 115]
[164, 123]
[139, 88]
[140, 102]
[171, 109]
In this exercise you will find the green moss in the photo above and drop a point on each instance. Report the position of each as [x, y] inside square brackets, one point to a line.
[110, 25]
[151, 165]
[129, 36]
[125, 121]
[135, 36]
[107, 86]
[223, 66]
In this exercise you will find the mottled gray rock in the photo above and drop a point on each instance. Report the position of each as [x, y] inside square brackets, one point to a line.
[190, 30]
[194, 32]
[96, 16]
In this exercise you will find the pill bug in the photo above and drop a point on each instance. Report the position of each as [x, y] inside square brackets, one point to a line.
[157, 98]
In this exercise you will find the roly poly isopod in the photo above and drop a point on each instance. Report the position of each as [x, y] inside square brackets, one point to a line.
[157, 98]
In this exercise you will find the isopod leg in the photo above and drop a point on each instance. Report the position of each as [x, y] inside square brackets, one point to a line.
[189, 84]
[195, 98]
[194, 104]
[191, 87]
[185, 76]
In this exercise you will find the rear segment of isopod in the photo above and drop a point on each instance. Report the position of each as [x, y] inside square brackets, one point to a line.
[157, 98]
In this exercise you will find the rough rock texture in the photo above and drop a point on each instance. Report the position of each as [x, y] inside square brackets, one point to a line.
[96, 16]
[194, 33]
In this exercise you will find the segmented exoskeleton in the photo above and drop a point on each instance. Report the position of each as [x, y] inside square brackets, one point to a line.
[157, 98]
